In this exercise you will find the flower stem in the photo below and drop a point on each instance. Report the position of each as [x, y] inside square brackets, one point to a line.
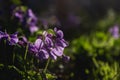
[26, 52]
[13, 57]
[46, 66]
[25, 56]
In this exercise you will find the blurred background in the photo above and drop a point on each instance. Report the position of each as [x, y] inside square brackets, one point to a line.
[90, 26]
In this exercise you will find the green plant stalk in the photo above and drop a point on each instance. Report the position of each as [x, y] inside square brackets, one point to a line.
[25, 56]
[46, 66]
[26, 52]
[13, 57]
[116, 75]
[19, 71]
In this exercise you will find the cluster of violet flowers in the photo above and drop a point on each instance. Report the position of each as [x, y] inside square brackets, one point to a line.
[47, 45]
[27, 18]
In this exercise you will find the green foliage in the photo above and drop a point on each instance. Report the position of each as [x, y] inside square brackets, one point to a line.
[50, 76]
[101, 51]
[17, 2]
[105, 70]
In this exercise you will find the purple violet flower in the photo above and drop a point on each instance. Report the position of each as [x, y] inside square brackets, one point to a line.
[32, 19]
[19, 13]
[12, 39]
[59, 44]
[59, 38]
[39, 44]
[2, 34]
[38, 49]
[114, 31]
[27, 18]
[49, 45]
[48, 39]
[33, 29]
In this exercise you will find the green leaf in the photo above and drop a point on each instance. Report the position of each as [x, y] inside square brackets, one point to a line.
[50, 31]
[50, 76]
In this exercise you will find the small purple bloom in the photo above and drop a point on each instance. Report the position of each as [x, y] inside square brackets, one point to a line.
[19, 13]
[48, 39]
[32, 19]
[27, 18]
[31, 14]
[59, 38]
[59, 33]
[33, 29]
[12, 39]
[114, 31]
[2, 34]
